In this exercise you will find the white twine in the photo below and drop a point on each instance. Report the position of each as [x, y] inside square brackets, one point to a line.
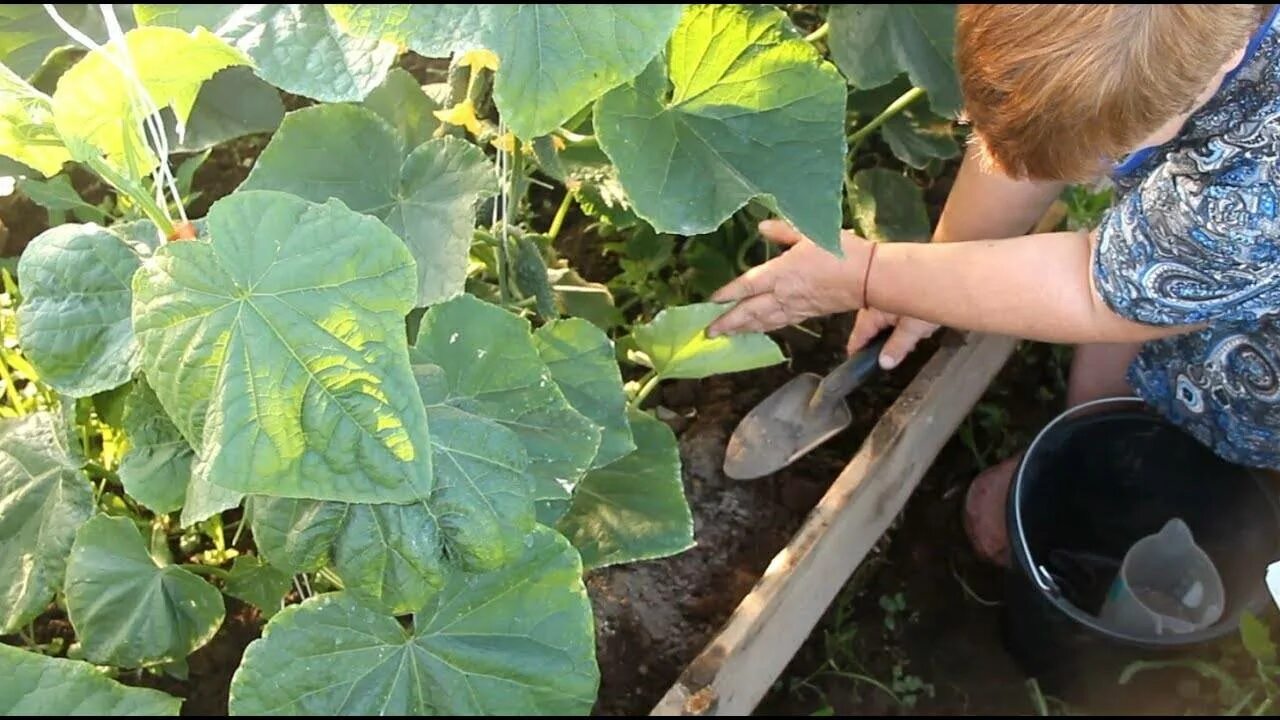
[500, 168]
[139, 98]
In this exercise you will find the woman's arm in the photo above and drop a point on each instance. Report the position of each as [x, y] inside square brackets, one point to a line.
[980, 205]
[1037, 287]
[991, 206]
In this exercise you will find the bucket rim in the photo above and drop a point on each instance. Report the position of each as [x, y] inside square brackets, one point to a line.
[1044, 583]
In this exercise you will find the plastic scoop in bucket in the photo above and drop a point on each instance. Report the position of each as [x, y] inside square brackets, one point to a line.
[1166, 585]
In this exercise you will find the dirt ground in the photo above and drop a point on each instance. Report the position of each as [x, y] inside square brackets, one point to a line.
[665, 611]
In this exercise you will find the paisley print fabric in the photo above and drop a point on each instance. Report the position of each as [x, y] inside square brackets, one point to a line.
[1193, 238]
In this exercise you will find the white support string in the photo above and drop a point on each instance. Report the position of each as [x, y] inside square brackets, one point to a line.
[500, 169]
[139, 98]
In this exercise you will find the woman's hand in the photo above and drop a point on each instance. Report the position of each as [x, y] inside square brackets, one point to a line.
[804, 282]
[907, 332]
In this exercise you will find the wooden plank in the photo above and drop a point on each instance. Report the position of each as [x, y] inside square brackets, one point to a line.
[736, 669]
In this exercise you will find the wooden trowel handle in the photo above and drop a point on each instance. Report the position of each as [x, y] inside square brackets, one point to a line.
[849, 374]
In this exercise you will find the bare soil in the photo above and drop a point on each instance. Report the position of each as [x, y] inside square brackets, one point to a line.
[654, 617]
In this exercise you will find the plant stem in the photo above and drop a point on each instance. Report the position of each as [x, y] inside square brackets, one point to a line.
[743, 249]
[101, 471]
[859, 677]
[1037, 697]
[235, 539]
[820, 34]
[215, 532]
[807, 331]
[134, 192]
[574, 137]
[206, 570]
[329, 577]
[558, 221]
[11, 390]
[647, 385]
[508, 215]
[894, 108]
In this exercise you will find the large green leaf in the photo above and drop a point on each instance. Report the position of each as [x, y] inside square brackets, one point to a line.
[233, 103]
[916, 139]
[483, 499]
[257, 583]
[428, 197]
[28, 35]
[278, 349]
[743, 108]
[390, 555]
[888, 206]
[916, 134]
[584, 365]
[406, 106]
[297, 48]
[492, 370]
[634, 509]
[128, 610]
[156, 468]
[677, 345]
[109, 405]
[554, 59]
[295, 535]
[37, 685]
[95, 103]
[519, 641]
[58, 195]
[872, 44]
[588, 300]
[27, 134]
[74, 322]
[395, 556]
[592, 178]
[205, 499]
[43, 500]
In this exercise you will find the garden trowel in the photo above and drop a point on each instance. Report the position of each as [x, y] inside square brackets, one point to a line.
[797, 417]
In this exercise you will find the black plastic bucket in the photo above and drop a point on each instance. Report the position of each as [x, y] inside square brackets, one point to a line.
[1094, 481]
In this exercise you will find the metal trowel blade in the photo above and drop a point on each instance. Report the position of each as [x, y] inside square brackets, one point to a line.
[782, 429]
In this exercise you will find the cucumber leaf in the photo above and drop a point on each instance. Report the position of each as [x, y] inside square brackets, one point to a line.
[127, 609]
[518, 641]
[278, 349]
[634, 509]
[39, 685]
[492, 370]
[297, 48]
[553, 59]
[740, 108]
[44, 498]
[74, 321]
[582, 361]
[676, 344]
[427, 196]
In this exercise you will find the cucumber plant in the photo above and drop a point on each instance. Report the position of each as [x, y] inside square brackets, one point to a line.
[365, 358]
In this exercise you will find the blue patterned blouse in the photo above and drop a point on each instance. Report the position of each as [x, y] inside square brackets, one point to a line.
[1193, 237]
